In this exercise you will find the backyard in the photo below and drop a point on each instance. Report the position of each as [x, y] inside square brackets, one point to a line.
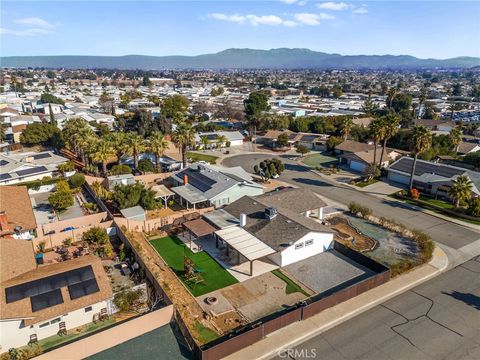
[211, 276]
[193, 157]
[319, 159]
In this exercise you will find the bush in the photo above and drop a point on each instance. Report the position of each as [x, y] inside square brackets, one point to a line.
[474, 207]
[401, 267]
[145, 165]
[128, 300]
[61, 200]
[356, 209]
[91, 206]
[121, 170]
[414, 194]
[77, 180]
[425, 244]
[98, 238]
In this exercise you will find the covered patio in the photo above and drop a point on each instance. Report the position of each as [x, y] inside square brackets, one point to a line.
[196, 229]
[162, 192]
[189, 196]
[244, 243]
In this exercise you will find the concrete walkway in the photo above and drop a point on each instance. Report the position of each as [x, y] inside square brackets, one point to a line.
[301, 331]
[111, 337]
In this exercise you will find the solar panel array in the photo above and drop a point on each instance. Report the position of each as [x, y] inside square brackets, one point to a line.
[3, 162]
[309, 138]
[31, 171]
[406, 164]
[46, 292]
[4, 176]
[200, 181]
[292, 136]
[41, 156]
[211, 136]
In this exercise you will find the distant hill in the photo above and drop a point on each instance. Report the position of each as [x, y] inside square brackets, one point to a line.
[241, 59]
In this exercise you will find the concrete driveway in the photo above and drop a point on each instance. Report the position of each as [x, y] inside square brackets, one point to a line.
[382, 188]
[452, 235]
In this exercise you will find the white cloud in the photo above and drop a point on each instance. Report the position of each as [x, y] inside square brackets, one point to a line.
[361, 10]
[288, 2]
[264, 20]
[310, 19]
[324, 16]
[26, 32]
[35, 22]
[335, 6]
[239, 19]
[290, 23]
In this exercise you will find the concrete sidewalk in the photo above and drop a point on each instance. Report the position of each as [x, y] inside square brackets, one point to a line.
[109, 338]
[302, 331]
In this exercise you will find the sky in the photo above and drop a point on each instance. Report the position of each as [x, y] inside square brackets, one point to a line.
[426, 29]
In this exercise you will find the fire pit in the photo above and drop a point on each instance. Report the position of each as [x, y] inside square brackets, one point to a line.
[211, 300]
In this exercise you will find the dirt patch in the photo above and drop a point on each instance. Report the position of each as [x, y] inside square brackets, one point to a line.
[159, 213]
[351, 237]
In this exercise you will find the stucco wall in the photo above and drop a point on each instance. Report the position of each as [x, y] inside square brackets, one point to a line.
[321, 242]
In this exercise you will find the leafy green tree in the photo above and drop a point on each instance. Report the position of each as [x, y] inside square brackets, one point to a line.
[66, 167]
[174, 105]
[255, 105]
[205, 142]
[474, 207]
[39, 133]
[106, 103]
[126, 196]
[269, 168]
[47, 98]
[461, 190]
[302, 149]
[145, 165]
[146, 81]
[337, 91]
[184, 137]
[473, 159]
[282, 140]
[121, 170]
[53, 121]
[421, 141]
[333, 141]
[98, 238]
[457, 89]
[77, 180]
[61, 200]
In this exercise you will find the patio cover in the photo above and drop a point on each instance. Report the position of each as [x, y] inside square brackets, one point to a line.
[221, 219]
[189, 193]
[199, 227]
[245, 243]
[162, 191]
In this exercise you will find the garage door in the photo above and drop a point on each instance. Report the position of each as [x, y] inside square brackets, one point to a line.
[357, 166]
[402, 179]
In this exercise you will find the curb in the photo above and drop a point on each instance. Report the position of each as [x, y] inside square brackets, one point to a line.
[439, 255]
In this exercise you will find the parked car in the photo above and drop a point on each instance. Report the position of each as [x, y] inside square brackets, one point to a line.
[69, 228]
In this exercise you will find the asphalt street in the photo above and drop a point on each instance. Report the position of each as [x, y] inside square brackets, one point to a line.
[437, 320]
[445, 232]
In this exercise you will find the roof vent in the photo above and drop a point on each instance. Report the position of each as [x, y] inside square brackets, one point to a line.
[270, 213]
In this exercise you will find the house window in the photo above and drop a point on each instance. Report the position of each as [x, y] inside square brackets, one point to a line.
[88, 308]
[298, 246]
[44, 325]
[309, 242]
[55, 321]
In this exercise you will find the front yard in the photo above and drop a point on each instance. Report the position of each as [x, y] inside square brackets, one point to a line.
[214, 276]
[193, 157]
[319, 160]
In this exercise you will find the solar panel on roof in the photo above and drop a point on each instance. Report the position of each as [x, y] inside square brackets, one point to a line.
[406, 164]
[4, 176]
[31, 171]
[211, 136]
[308, 138]
[83, 288]
[46, 300]
[41, 156]
[292, 136]
[3, 162]
[48, 284]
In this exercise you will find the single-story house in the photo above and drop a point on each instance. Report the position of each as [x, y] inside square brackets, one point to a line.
[443, 126]
[17, 219]
[23, 167]
[213, 185]
[431, 177]
[310, 140]
[468, 147]
[235, 138]
[277, 225]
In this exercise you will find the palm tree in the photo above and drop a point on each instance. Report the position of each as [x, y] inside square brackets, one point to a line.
[118, 141]
[103, 152]
[461, 190]
[204, 141]
[184, 137]
[76, 133]
[456, 137]
[421, 141]
[390, 123]
[135, 144]
[422, 98]
[346, 127]
[157, 144]
[377, 134]
[392, 92]
[221, 139]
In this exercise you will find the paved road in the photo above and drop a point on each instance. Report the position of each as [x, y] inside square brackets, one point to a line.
[437, 320]
[446, 233]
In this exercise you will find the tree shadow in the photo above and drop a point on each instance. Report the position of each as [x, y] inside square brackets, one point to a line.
[311, 182]
[467, 298]
[295, 167]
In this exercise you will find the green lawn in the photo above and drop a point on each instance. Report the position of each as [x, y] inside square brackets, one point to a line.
[315, 160]
[172, 250]
[202, 157]
[205, 333]
[363, 184]
[292, 286]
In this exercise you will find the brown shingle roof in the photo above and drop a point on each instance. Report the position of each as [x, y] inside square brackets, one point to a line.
[16, 257]
[15, 202]
[22, 309]
[353, 146]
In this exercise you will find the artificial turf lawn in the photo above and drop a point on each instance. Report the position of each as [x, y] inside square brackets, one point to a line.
[292, 286]
[172, 250]
[202, 157]
[205, 333]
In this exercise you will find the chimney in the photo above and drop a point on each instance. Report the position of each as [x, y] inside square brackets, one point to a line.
[243, 220]
[185, 179]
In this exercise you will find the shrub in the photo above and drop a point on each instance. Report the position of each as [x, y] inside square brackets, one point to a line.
[91, 206]
[474, 207]
[128, 300]
[356, 209]
[414, 194]
[77, 180]
[121, 170]
[401, 267]
[61, 200]
[68, 241]
[99, 239]
[62, 186]
[425, 244]
[145, 165]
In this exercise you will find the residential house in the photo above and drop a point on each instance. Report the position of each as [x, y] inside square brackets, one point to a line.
[23, 167]
[234, 138]
[442, 126]
[430, 177]
[468, 147]
[278, 225]
[17, 220]
[310, 140]
[212, 185]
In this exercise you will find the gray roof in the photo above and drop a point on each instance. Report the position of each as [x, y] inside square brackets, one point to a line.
[221, 219]
[189, 193]
[295, 200]
[135, 211]
[209, 181]
[288, 226]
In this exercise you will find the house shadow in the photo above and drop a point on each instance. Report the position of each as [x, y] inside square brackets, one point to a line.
[467, 298]
[311, 182]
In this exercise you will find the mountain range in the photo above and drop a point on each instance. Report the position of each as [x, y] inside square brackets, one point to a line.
[282, 58]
